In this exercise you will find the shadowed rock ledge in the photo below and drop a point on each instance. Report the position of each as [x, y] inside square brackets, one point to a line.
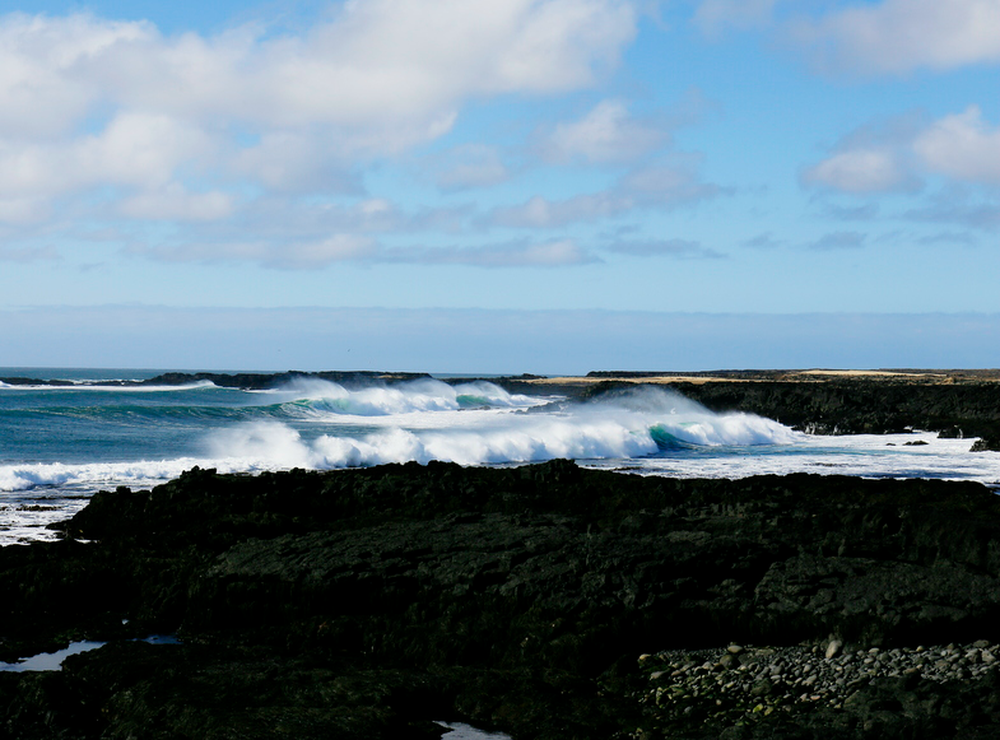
[365, 603]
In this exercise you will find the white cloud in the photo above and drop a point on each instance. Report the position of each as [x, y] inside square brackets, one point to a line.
[867, 170]
[607, 134]
[87, 102]
[550, 254]
[896, 36]
[23, 210]
[134, 149]
[962, 146]
[44, 87]
[363, 67]
[657, 186]
[894, 157]
[542, 213]
[174, 203]
[337, 248]
[295, 162]
[668, 185]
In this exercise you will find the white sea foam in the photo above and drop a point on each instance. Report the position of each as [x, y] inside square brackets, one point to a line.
[84, 385]
[319, 425]
[90, 476]
[411, 429]
[318, 397]
[869, 456]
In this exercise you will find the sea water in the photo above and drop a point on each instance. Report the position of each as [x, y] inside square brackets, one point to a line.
[61, 444]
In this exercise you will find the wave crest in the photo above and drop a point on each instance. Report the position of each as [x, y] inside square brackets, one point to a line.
[627, 426]
[317, 397]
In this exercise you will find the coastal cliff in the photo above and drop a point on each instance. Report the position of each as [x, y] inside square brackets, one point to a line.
[546, 600]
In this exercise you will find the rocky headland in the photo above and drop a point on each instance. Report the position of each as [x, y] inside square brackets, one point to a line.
[545, 600]
[954, 403]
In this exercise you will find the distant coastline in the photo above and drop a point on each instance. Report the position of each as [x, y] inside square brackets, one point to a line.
[954, 403]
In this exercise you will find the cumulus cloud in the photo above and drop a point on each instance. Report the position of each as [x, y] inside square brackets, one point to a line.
[608, 134]
[366, 66]
[875, 158]
[860, 171]
[896, 36]
[134, 149]
[962, 146]
[87, 103]
[897, 156]
[45, 88]
[174, 203]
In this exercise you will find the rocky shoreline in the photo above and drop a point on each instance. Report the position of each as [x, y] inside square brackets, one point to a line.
[744, 687]
[547, 601]
[953, 403]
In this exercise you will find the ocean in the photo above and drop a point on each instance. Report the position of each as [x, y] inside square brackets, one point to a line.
[61, 444]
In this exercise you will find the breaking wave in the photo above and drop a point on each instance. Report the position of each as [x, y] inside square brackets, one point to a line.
[322, 425]
[319, 396]
[638, 424]
[109, 387]
[91, 476]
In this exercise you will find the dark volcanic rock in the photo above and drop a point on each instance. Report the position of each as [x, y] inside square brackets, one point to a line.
[366, 603]
[264, 381]
[850, 406]
[986, 444]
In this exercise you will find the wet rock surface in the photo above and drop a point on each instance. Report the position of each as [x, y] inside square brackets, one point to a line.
[368, 603]
[963, 407]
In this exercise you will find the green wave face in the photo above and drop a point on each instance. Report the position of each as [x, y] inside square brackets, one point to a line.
[665, 440]
[472, 402]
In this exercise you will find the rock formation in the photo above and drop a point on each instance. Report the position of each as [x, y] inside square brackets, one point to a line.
[366, 603]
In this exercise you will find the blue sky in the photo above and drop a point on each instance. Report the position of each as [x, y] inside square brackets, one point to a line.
[777, 172]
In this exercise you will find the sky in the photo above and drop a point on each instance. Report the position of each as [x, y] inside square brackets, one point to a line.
[500, 186]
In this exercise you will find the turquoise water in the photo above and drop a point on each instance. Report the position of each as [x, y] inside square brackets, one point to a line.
[59, 445]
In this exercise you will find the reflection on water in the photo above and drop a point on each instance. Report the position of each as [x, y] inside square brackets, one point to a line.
[50, 661]
[54, 661]
[461, 731]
